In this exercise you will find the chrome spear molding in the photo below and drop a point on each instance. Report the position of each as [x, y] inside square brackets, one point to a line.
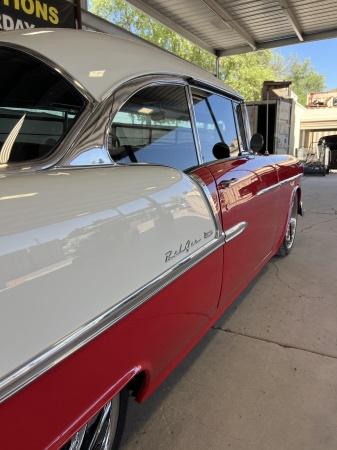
[5, 152]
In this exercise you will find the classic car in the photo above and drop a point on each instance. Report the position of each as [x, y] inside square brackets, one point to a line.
[133, 213]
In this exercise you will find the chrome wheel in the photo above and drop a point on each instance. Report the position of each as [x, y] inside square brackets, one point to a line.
[99, 433]
[291, 230]
[289, 238]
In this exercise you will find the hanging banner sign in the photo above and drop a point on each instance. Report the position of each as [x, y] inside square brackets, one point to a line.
[22, 14]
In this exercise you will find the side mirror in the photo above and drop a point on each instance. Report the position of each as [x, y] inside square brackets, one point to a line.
[257, 142]
[221, 151]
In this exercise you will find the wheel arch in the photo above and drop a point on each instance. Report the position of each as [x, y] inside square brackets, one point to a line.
[299, 201]
[138, 384]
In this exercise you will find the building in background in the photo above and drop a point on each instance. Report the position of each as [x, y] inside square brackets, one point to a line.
[289, 127]
[319, 118]
[277, 117]
[326, 99]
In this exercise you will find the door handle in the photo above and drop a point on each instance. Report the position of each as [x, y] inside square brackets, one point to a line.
[236, 230]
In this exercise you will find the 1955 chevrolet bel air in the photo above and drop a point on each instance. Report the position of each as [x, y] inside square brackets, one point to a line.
[132, 213]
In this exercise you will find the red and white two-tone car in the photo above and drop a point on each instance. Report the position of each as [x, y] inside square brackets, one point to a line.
[132, 213]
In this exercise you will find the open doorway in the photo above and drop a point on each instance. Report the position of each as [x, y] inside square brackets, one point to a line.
[330, 142]
[262, 126]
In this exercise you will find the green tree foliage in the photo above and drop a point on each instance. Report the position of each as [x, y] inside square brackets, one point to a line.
[245, 73]
[304, 77]
[132, 19]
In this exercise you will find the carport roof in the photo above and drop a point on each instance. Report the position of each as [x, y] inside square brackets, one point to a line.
[227, 27]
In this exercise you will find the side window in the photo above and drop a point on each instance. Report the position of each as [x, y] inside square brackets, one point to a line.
[37, 107]
[154, 126]
[208, 130]
[223, 112]
[215, 124]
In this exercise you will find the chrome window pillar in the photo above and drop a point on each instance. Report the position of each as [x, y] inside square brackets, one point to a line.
[194, 124]
[246, 124]
[92, 148]
[240, 130]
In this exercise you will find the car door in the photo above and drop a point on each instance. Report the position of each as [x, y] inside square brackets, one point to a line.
[248, 218]
[154, 126]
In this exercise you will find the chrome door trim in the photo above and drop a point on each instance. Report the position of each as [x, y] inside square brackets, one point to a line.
[280, 183]
[235, 231]
[41, 363]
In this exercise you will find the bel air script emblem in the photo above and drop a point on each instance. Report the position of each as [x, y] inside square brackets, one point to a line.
[185, 247]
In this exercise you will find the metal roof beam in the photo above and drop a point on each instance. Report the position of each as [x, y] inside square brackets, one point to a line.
[329, 34]
[143, 6]
[228, 20]
[292, 18]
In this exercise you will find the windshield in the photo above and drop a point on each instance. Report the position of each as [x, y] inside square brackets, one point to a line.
[38, 106]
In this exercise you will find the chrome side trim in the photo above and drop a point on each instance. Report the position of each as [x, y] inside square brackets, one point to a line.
[7, 146]
[235, 231]
[32, 369]
[280, 183]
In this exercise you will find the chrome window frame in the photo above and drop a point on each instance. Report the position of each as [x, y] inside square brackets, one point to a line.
[246, 125]
[86, 145]
[227, 96]
[115, 99]
[122, 95]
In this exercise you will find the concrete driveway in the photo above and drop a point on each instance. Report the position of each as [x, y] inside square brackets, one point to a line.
[265, 377]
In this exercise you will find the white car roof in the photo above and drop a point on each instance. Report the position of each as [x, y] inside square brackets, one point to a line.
[100, 62]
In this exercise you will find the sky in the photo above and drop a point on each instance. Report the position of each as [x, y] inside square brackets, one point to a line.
[323, 55]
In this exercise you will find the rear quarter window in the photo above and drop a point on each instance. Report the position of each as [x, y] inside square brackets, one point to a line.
[39, 101]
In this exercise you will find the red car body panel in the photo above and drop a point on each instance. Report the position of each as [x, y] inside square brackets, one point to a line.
[154, 338]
